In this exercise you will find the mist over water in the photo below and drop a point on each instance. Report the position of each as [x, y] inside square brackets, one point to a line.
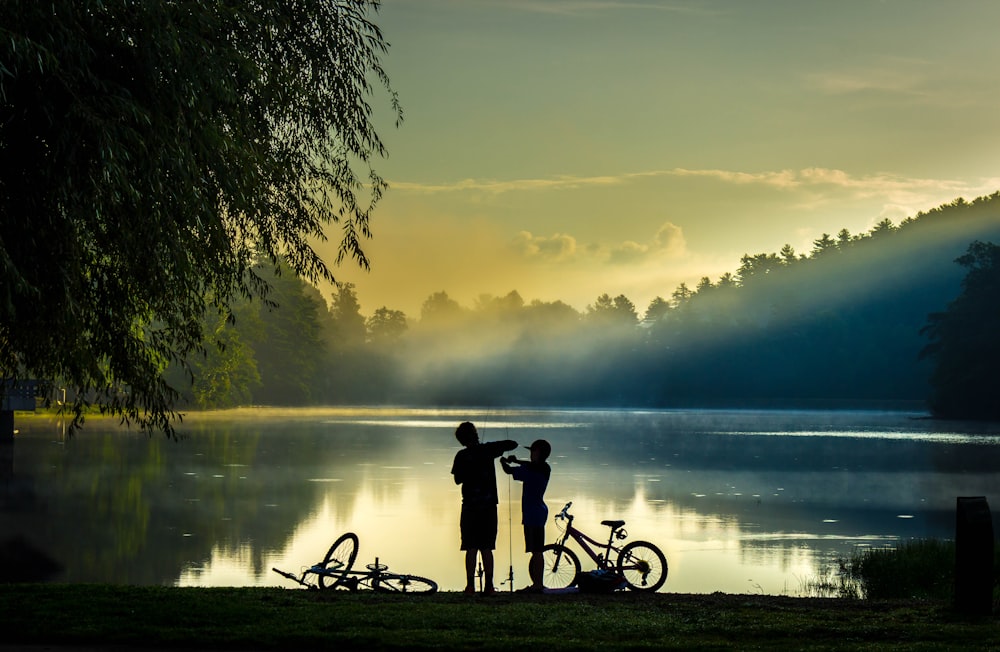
[740, 501]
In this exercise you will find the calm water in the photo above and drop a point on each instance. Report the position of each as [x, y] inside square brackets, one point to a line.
[740, 501]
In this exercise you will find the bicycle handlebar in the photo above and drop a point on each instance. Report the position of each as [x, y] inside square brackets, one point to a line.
[565, 511]
[290, 576]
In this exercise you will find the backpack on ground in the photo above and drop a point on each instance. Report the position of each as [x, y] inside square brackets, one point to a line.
[600, 581]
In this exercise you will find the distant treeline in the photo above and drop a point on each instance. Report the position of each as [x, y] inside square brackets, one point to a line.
[843, 324]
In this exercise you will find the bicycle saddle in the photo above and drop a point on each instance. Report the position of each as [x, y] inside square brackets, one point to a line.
[613, 524]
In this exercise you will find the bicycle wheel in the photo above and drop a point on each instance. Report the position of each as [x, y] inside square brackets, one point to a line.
[643, 566]
[560, 566]
[393, 583]
[340, 557]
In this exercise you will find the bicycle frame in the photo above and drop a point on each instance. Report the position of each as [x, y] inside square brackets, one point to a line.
[377, 578]
[317, 570]
[582, 539]
[641, 565]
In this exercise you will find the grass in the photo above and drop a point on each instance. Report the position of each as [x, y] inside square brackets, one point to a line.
[920, 569]
[915, 569]
[128, 617]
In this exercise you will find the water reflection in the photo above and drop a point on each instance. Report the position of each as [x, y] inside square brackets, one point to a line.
[739, 501]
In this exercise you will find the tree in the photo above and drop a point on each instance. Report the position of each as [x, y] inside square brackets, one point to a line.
[440, 309]
[619, 311]
[353, 369]
[226, 375]
[788, 256]
[151, 153]
[757, 266]
[727, 281]
[882, 228]
[824, 244]
[964, 344]
[680, 297]
[657, 307]
[347, 323]
[551, 318]
[844, 239]
[386, 327]
[704, 286]
[509, 305]
[290, 348]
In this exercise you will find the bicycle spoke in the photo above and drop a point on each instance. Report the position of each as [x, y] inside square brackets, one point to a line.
[643, 565]
[391, 583]
[332, 571]
[560, 566]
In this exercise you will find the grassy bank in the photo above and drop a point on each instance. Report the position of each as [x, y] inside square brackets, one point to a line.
[263, 619]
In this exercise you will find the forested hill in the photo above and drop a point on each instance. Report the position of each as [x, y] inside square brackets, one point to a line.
[842, 324]
[838, 325]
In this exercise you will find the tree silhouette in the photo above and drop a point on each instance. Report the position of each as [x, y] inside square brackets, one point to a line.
[152, 152]
[347, 323]
[964, 341]
[386, 327]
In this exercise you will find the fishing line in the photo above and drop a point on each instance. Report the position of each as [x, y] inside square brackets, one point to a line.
[510, 516]
[510, 512]
[510, 525]
[486, 419]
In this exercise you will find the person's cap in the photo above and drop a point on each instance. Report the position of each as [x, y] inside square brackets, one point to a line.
[541, 445]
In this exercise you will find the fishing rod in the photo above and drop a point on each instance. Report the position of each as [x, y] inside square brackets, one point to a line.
[510, 538]
[510, 519]
[510, 524]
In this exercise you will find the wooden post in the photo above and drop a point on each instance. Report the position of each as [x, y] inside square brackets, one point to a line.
[6, 426]
[973, 556]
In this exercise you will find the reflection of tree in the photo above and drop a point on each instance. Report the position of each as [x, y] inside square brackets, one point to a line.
[227, 485]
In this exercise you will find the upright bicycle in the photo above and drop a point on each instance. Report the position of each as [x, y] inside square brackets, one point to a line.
[335, 571]
[640, 563]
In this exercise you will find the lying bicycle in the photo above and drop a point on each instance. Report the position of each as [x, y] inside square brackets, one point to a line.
[335, 571]
[641, 564]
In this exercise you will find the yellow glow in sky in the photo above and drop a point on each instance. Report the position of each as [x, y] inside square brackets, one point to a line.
[570, 148]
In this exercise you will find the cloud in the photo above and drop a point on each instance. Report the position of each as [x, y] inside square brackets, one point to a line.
[906, 81]
[779, 179]
[493, 186]
[783, 178]
[582, 7]
[670, 239]
[900, 195]
[883, 80]
[555, 248]
[628, 252]
[667, 242]
[816, 181]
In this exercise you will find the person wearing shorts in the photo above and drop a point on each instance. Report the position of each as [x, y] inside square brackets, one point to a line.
[534, 473]
[475, 471]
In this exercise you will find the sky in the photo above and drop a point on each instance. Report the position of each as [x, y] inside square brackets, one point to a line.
[570, 148]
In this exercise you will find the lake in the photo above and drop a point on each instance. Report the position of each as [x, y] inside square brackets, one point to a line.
[741, 501]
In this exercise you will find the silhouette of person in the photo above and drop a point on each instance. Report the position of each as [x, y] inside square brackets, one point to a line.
[474, 469]
[534, 473]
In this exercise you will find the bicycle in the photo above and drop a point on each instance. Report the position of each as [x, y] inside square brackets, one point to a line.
[640, 563]
[335, 571]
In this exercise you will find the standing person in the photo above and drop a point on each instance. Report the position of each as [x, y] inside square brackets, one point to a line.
[534, 473]
[474, 469]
